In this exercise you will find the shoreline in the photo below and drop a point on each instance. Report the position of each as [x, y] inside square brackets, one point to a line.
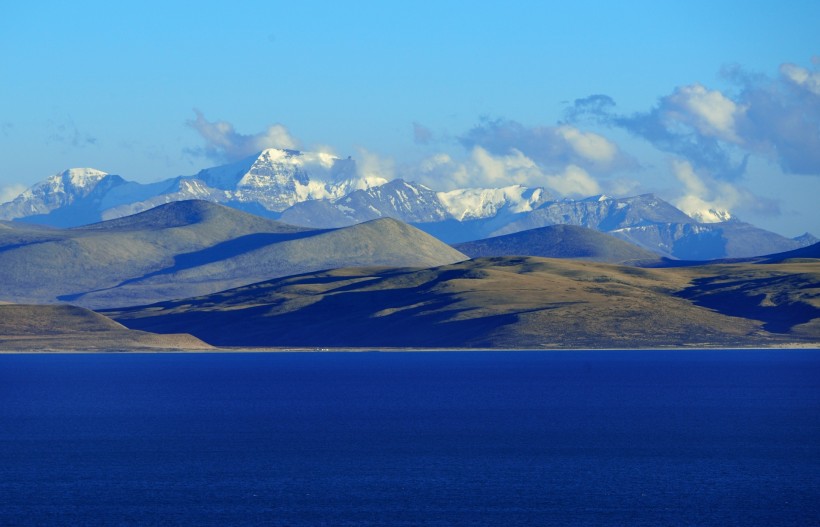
[354, 349]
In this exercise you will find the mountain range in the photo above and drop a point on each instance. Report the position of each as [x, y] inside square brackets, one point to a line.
[320, 191]
[191, 274]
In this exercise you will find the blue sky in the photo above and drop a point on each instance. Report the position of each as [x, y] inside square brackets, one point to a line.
[707, 104]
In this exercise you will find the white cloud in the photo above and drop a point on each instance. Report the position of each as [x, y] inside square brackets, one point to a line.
[440, 172]
[501, 171]
[573, 181]
[224, 143]
[481, 169]
[484, 169]
[375, 169]
[589, 145]
[810, 80]
[778, 118]
[709, 111]
[700, 201]
[8, 193]
[552, 147]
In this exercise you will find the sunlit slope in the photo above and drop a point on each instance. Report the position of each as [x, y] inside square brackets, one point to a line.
[506, 302]
[63, 327]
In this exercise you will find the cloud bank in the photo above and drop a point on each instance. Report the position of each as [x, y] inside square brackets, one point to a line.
[10, 192]
[552, 147]
[224, 144]
[716, 132]
[709, 135]
[482, 168]
[709, 200]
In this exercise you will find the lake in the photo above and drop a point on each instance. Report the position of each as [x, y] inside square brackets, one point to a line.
[450, 438]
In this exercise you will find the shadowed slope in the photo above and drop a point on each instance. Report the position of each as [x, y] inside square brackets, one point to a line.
[810, 253]
[512, 302]
[782, 296]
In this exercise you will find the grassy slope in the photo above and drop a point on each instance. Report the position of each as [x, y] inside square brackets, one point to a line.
[512, 302]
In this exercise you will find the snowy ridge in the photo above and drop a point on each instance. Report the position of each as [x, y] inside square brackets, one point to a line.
[53, 193]
[278, 179]
[479, 203]
[711, 215]
[316, 189]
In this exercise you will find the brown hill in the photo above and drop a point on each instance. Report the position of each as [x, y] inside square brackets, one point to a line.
[64, 327]
[510, 302]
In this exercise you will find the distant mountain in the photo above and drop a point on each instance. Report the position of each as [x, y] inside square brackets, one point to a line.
[706, 241]
[318, 190]
[506, 302]
[601, 213]
[560, 241]
[408, 202]
[76, 192]
[812, 252]
[265, 183]
[43, 328]
[806, 239]
[191, 248]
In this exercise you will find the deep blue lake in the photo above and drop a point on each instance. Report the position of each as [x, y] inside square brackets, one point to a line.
[468, 438]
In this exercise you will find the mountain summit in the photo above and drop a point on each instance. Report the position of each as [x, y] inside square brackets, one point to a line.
[57, 191]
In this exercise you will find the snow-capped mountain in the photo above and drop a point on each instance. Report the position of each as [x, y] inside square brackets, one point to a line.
[601, 213]
[415, 203]
[322, 191]
[278, 179]
[54, 192]
[399, 199]
[266, 183]
[479, 203]
[711, 215]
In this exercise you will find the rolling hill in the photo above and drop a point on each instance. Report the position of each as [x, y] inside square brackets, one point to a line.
[62, 327]
[560, 241]
[190, 248]
[507, 302]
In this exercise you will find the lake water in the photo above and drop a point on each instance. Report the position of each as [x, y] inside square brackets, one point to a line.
[470, 438]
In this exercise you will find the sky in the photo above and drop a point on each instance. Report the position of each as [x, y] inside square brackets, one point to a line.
[708, 104]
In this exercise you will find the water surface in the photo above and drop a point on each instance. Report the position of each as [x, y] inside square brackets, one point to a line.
[470, 438]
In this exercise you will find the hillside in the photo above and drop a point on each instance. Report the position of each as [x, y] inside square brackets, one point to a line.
[560, 241]
[63, 327]
[191, 248]
[509, 302]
